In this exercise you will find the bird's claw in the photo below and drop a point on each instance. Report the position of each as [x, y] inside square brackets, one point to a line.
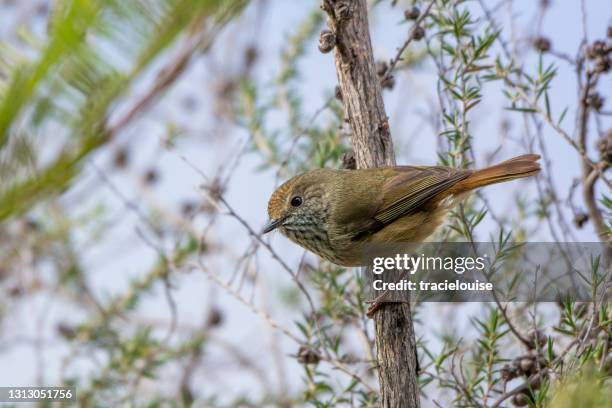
[374, 307]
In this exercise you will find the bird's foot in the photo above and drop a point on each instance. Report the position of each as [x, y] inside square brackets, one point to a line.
[376, 304]
[374, 307]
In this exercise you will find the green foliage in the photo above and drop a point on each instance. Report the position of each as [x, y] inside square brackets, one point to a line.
[70, 84]
[462, 61]
[586, 389]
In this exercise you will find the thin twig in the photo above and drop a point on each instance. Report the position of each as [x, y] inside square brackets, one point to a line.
[400, 51]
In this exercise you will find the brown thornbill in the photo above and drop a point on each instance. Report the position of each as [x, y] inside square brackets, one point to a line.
[336, 213]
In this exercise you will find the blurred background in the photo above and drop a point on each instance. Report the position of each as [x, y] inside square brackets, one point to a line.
[141, 140]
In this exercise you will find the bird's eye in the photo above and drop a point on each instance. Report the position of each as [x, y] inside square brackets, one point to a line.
[296, 201]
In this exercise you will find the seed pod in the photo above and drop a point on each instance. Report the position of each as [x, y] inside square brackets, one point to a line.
[215, 190]
[509, 372]
[122, 158]
[520, 400]
[215, 318]
[388, 83]
[250, 56]
[542, 44]
[538, 359]
[536, 337]
[151, 176]
[66, 331]
[381, 68]
[597, 49]
[327, 41]
[307, 356]
[188, 209]
[580, 219]
[418, 33]
[595, 101]
[603, 64]
[16, 291]
[527, 365]
[412, 14]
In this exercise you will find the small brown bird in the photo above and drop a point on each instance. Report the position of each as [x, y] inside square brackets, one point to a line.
[336, 213]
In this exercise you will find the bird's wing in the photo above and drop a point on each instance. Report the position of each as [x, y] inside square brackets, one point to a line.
[411, 187]
[406, 190]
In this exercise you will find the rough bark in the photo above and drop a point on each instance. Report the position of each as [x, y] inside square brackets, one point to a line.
[359, 84]
[373, 147]
[590, 174]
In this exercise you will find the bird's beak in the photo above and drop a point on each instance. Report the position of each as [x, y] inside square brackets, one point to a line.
[271, 225]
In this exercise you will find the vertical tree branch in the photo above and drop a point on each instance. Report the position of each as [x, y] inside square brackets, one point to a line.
[373, 147]
[361, 92]
[589, 174]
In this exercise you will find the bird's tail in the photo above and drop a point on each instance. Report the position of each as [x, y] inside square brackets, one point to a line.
[518, 167]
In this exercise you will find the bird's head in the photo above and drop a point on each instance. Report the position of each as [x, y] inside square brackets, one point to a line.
[299, 202]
